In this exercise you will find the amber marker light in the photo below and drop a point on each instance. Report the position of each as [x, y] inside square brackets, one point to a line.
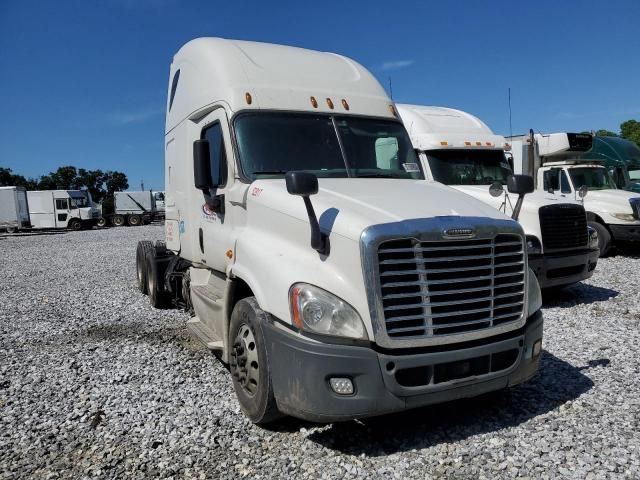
[330, 103]
[444, 143]
[295, 312]
[489, 144]
[345, 104]
[229, 253]
[247, 97]
[314, 102]
[479, 144]
[468, 144]
[392, 109]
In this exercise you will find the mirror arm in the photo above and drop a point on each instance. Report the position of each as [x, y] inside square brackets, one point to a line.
[319, 240]
[518, 206]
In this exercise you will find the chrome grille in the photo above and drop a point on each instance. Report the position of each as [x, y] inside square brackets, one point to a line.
[431, 288]
[563, 226]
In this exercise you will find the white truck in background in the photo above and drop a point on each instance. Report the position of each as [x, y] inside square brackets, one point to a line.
[553, 160]
[461, 151]
[158, 197]
[333, 279]
[14, 209]
[71, 209]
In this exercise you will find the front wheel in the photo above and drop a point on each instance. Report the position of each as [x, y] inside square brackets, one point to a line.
[75, 224]
[101, 222]
[249, 364]
[604, 238]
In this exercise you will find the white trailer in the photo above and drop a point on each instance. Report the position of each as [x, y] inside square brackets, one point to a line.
[460, 150]
[312, 254]
[71, 209]
[556, 164]
[14, 209]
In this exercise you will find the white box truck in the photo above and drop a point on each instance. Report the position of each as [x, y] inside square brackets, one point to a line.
[555, 160]
[460, 150]
[71, 209]
[334, 280]
[14, 209]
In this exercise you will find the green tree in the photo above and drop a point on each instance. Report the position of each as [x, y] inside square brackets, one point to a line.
[9, 179]
[115, 181]
[630, 130]
[605, 133]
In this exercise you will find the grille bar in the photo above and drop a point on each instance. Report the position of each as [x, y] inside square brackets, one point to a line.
[445, 287]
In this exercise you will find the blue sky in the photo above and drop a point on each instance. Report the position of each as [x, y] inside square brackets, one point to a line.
[84, 82]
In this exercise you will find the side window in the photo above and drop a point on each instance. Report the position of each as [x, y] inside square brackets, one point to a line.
[387, 153]
[552, 179]
[62, 204]
[174, 87]
[217, 156]
[565, 187]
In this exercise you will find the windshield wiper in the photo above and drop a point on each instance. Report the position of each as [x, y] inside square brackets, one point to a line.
[271, 172]
[378, 175]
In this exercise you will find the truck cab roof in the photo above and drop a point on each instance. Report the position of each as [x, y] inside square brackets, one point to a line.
[253, 75]
[446, 128]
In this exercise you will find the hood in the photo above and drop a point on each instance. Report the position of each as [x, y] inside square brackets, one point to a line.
[347, 206]
[610, 200]
[532, 201]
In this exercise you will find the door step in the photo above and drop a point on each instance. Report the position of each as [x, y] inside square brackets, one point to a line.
[204, 334]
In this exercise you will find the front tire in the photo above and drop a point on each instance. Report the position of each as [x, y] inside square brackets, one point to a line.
[102, 222]
[604, 238]
[249, 364]
[75, 224]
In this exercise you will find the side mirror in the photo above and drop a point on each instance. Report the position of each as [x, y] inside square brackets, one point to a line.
[201, 165]
[582, 192]
[496, 189]
[304, 184]
[520, 184]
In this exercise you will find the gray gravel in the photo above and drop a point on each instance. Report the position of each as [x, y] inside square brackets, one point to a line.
[96, 383]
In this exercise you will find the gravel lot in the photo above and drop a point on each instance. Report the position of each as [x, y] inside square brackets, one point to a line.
[96, 383]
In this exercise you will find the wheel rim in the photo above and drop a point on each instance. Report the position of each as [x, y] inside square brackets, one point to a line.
[75, 226]
[117, 221]
[134, 221]
[244, 364]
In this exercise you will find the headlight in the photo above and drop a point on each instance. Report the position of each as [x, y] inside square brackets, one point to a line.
[533, 245]
[535, 295]
[626, 217]
[593, 238]
[319, 311]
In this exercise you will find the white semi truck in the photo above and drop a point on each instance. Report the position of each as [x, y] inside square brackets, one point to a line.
[555, 162]
[311, 253]
[71, 209]
[14, 209]
[460, 150]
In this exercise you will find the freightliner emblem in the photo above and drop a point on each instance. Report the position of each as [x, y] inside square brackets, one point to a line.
[459, 233]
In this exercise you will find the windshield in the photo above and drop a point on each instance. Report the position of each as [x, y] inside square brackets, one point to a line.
[79, 202]
[271, 144]
[594, 178]
[469, 167]
[634, 173]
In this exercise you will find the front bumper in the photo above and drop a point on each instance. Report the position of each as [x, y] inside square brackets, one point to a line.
[559, 269]
[389, 382]
[625, 233]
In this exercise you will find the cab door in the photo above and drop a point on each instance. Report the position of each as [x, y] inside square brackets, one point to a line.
[214, 233]
[556, 179]
[61, 213]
